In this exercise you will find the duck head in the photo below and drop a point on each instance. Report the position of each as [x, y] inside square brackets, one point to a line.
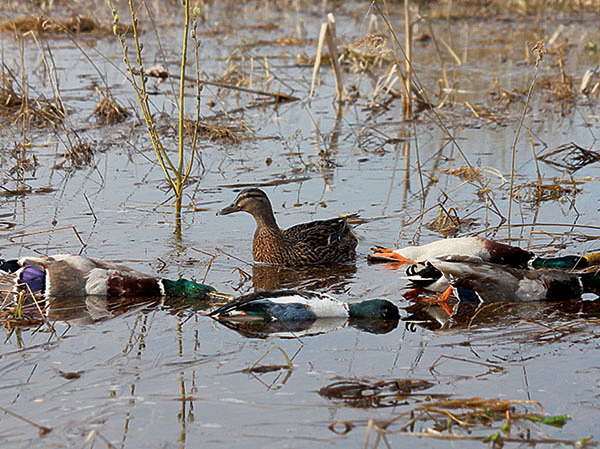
[255, 202]
[374, 309]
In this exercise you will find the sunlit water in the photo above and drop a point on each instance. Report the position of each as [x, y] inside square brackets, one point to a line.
[149, 378]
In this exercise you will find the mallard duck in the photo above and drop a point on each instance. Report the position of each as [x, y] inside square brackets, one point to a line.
[74, 276]
[485, 249]
[313, 243]
[292, 305]
[501, 283]
[475, 248]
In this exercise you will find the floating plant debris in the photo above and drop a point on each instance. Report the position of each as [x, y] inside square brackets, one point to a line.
[570, 156]
[381, 393]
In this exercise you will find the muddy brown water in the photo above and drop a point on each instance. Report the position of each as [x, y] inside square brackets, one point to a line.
[148, 377]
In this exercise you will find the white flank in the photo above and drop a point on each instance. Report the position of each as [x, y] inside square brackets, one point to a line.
[96, 282]
[457, 268]
[320, 304]
[470, 246]
[80, 263]
[531, 290]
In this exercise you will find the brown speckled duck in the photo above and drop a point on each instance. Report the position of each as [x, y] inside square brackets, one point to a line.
[314, 243]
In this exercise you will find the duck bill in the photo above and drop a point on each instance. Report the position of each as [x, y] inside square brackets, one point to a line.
[228, 210]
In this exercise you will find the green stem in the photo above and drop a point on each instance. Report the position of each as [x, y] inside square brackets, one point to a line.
[186, 28]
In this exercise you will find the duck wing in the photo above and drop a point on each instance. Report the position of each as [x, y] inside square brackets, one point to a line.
[62, 279]
[494, 283]
[85, 265]
[323, 241]
[284, 305]
[252, 302]
[319, 232]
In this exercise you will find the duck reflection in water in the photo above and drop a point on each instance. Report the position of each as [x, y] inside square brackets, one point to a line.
[330, 278]
[466, 313]
[298, 329]
[91, 309]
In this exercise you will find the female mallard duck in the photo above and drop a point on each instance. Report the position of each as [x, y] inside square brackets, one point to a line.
[501, 283]
[313, 243]
[67, 275]
[292, 305]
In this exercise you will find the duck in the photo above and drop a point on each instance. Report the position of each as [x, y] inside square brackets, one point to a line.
[76, 276]
[294, 305]
[474, 280]
[485, 249]
[314, 243]
[426, 276]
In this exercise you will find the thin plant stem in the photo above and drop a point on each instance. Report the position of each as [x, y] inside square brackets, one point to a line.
[538, 50]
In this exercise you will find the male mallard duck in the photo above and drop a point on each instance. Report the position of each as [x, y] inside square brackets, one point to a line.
[500, 283]
[487, 250]
[67, 275]
[476, 248]
[313, 243]
[292, 305]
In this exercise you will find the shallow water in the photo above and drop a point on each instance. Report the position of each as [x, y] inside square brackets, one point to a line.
[152, 378]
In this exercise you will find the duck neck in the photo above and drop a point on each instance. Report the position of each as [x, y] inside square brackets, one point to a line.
[265, 219]
[591, 282]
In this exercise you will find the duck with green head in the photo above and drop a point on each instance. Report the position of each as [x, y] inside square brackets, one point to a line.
[426, 276]
[487, 282]
[74, 276]
[313, 243]
[293, 305]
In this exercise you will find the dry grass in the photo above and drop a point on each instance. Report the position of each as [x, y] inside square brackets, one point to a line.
[38, 112]
[534, 192]
[109, 112]
[77, 156]
[215, 132]
[570, 156]
[450, 224]
[9, 99]
[492, 421]
[501, 8]
[44, 24]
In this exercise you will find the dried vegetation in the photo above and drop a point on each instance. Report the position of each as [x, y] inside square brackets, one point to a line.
[437, 415]
[245, 81]
[53, 25]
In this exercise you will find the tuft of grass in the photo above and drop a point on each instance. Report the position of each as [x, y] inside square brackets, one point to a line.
[109, 112]
[51, 25]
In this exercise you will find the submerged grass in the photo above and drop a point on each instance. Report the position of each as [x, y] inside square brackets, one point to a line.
[496, 421]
